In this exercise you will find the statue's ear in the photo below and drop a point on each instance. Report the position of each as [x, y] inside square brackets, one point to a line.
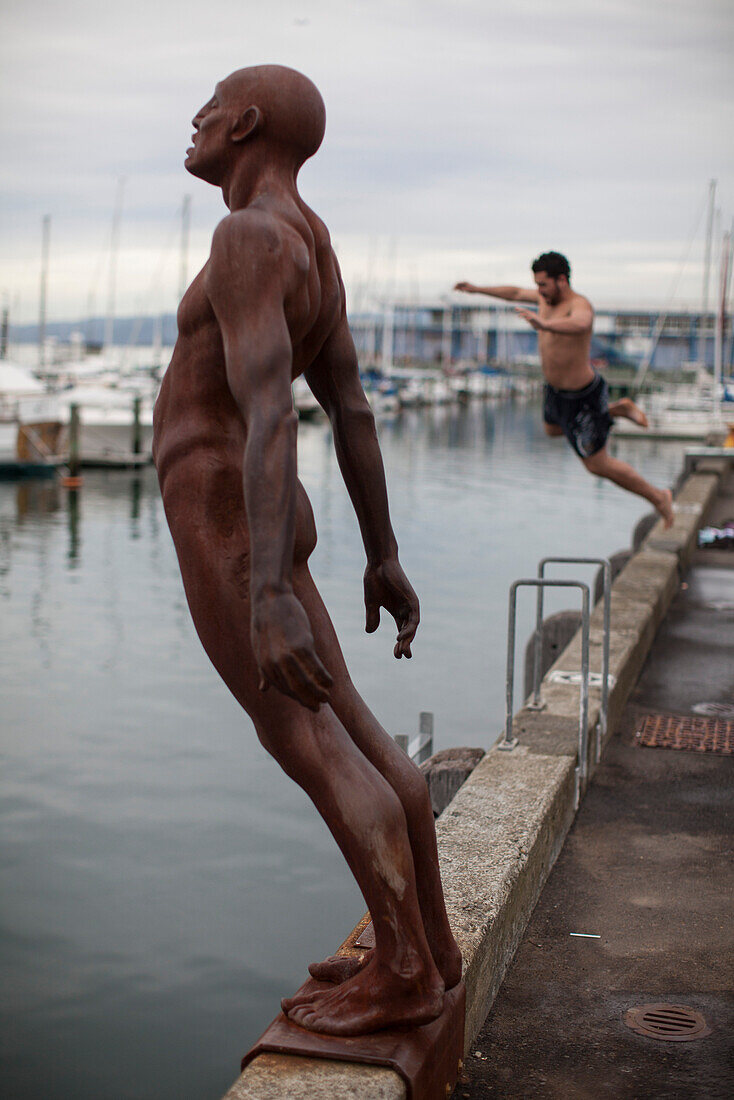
[247, 125]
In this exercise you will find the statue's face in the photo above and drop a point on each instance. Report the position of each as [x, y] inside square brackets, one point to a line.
[210, 143]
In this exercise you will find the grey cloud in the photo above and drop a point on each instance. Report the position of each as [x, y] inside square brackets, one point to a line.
[472, 124]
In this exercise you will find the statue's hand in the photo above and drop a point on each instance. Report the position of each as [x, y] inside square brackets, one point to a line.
[386, 585]
[285, 652]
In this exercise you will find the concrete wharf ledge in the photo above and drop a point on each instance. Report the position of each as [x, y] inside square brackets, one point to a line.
[500, 835]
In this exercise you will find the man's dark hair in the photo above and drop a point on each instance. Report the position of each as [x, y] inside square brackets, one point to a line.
[553, 264]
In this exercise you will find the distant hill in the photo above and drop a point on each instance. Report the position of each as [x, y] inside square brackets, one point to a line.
[125, 331]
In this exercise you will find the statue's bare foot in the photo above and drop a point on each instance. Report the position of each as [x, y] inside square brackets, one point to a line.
[373, 999]
[338, 968]
[626, 407]
[665, 507]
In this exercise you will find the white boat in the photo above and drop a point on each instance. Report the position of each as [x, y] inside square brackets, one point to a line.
[304, 401]
[481, 384]
[30, 423]
[696, 411]
[115, 423]
[699, 411]
[440, 391]
[412, 393]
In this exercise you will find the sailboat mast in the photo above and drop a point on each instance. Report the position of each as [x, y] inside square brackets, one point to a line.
[706, 275]
[721, 310]
[114, 247]
[45, 243]
[388, 331]
[4, 327]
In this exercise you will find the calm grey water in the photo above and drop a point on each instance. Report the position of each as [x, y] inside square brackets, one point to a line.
[163, 885]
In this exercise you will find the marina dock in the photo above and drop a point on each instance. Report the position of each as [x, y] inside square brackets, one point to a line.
[634, 911]
[637, 909]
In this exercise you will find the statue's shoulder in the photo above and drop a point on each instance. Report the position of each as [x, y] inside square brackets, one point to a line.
[247, 229]
[272, 247]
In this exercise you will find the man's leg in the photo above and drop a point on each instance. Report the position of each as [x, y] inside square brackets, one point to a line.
[603, 465]
[628, 410]
[404, 778]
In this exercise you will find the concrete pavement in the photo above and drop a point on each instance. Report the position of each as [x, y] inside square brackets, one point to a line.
[647, 867]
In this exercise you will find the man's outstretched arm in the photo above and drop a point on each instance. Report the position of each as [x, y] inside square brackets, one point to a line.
[508, 293]
[334, 381]
[247, 299]
[580, 320]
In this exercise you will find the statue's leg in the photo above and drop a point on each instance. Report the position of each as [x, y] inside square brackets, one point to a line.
[403, 777]
[400, 984]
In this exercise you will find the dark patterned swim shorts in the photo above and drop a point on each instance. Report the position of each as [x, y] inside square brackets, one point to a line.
[582, 414]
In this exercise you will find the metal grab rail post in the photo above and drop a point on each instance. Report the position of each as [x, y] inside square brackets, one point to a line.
[536, 703]
[509, 742]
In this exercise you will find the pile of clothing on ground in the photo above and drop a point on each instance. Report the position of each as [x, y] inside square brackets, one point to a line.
[717, 538]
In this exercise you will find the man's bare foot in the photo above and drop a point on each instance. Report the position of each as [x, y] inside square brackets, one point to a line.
[339, 968]
[375, 998]
[665, 507]
[626, 408]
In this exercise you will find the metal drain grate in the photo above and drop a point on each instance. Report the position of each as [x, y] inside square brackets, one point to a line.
[671, 731]
[672, 1023]
[715, 710]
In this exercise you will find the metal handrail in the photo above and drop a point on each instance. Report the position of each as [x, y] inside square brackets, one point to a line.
[509, 742]
[536, 703]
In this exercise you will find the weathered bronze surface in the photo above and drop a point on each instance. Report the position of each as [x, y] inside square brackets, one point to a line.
[428, 1058]
[268, 306]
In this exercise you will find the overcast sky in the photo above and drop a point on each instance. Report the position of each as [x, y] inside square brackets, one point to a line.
[463, 138]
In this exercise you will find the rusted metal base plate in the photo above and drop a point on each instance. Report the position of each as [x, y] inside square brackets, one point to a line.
[427, 1058]
[670, 731]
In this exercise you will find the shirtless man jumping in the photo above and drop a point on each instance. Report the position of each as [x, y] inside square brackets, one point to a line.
[576, 397]
[268, 306]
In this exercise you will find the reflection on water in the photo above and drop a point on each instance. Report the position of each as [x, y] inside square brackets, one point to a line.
[163, 884]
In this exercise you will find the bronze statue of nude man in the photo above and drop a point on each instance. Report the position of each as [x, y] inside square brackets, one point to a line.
[269, 305]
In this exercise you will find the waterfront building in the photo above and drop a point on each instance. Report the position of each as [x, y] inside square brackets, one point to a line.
[446, 334]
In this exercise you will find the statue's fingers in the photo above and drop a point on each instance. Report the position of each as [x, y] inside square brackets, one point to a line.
[408, 625]
[372, 617]
[279, 680]
[311, 664]
[308, 679]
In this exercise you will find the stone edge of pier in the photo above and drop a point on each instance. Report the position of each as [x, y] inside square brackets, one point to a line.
[500, 835]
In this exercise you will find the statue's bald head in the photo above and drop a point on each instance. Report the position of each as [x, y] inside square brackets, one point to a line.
[292, 116]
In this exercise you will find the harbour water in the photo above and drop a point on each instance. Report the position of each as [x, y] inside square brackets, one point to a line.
[163, 884]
